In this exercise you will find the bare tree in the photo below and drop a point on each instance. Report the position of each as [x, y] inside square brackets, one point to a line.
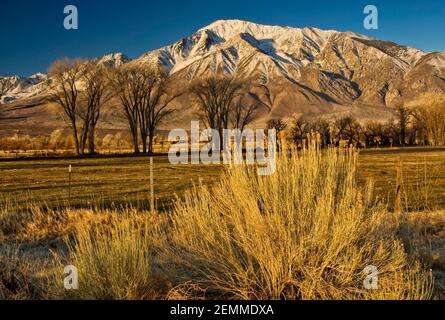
[215, 98]
[143, 95]
[430, 122]
[348, 129]
[242, 115]
[128, 84]
[66, 74]
[155, 105]
[95, 94]
[300, 130]
[403, 115]
[279, 125]
[372, 133]
[323, 128]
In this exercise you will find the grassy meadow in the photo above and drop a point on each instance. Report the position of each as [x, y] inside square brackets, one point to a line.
[102, 182]
[124, 180]
[306, 232]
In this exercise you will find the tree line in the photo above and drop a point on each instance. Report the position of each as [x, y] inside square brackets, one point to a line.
[81, 89]
[422, 126]
[145, 97]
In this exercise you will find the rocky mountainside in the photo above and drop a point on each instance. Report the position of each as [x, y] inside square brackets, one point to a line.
[292, 70]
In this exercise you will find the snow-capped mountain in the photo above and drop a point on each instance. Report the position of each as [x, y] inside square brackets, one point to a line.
[113, 60]
[315, 66]
[22, 86]
[292, 70]
[234, 40]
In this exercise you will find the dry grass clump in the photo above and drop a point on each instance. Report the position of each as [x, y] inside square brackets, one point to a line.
[111, 249]
[305, 232]
[427, 233]
[426, 230]
[37, 222]
[12, 220]
[186, 291]
[114, 261]
[16, 281]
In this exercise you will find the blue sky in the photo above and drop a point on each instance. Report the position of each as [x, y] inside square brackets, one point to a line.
[32, 33]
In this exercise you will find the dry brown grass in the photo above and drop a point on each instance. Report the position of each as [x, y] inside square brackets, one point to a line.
[426, 231]
[111, 249]
[39, 222]
[115, 260]
[305, 232]
[15, 280]
[24, 273]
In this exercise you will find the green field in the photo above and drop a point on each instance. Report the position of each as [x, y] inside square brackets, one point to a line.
[422, 171]
[109, 181]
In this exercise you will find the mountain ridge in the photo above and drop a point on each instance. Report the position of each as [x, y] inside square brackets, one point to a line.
[295, 70]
